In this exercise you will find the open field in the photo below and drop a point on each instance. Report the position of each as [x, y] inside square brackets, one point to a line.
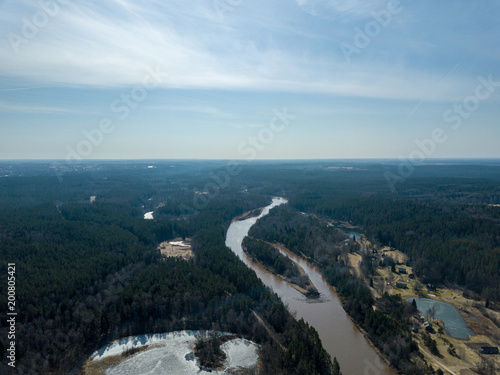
[177, 248]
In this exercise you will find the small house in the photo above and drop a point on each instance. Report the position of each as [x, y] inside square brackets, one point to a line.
[402, 270]
[431, 288]
[428, 327]
[488, 350]
[401, 285]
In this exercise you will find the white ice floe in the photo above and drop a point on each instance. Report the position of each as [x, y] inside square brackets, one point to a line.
[135, 342]
[179, 243]
[171, 353]
[149, 215]
[241, 353]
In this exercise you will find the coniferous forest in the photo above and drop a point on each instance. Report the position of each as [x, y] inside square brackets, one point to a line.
[88, 270]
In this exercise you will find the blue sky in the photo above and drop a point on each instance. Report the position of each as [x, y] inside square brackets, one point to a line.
[206, 79]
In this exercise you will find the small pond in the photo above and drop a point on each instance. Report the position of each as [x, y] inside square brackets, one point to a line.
[454, 324]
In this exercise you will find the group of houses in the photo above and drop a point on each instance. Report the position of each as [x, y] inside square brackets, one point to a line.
[427, 325]
[404, 271]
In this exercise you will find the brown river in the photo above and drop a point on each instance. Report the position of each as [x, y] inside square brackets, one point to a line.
[340, 337]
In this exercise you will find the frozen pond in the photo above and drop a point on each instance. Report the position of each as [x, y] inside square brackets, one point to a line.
[454, 324]
[241, 353]
[172, 353]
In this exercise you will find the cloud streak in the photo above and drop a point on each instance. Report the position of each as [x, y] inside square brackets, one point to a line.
[113, 44]
[31, 109]
[338, 9]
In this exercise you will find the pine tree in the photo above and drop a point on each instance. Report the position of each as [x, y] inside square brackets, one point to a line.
[414, 303]
[336, 367]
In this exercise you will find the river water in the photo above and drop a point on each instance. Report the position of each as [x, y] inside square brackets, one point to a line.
[340, 337]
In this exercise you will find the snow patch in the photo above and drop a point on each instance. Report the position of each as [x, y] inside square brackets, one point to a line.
[179, 243]
[170, 353]
[149, 215]
[241, 353]
[119, 347]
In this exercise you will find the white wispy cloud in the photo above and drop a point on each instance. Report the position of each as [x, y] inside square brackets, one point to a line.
[116, 43]
[204, 110]
[19, 108]
[341, 8]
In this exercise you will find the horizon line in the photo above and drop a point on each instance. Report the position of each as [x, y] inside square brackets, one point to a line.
[77, 162]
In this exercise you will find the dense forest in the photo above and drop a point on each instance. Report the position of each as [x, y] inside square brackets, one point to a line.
[88, 270]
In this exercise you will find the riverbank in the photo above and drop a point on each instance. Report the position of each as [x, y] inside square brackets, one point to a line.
[338, 334]
[342, 300]
[247, 215]
[306, 287]
[310, 291]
